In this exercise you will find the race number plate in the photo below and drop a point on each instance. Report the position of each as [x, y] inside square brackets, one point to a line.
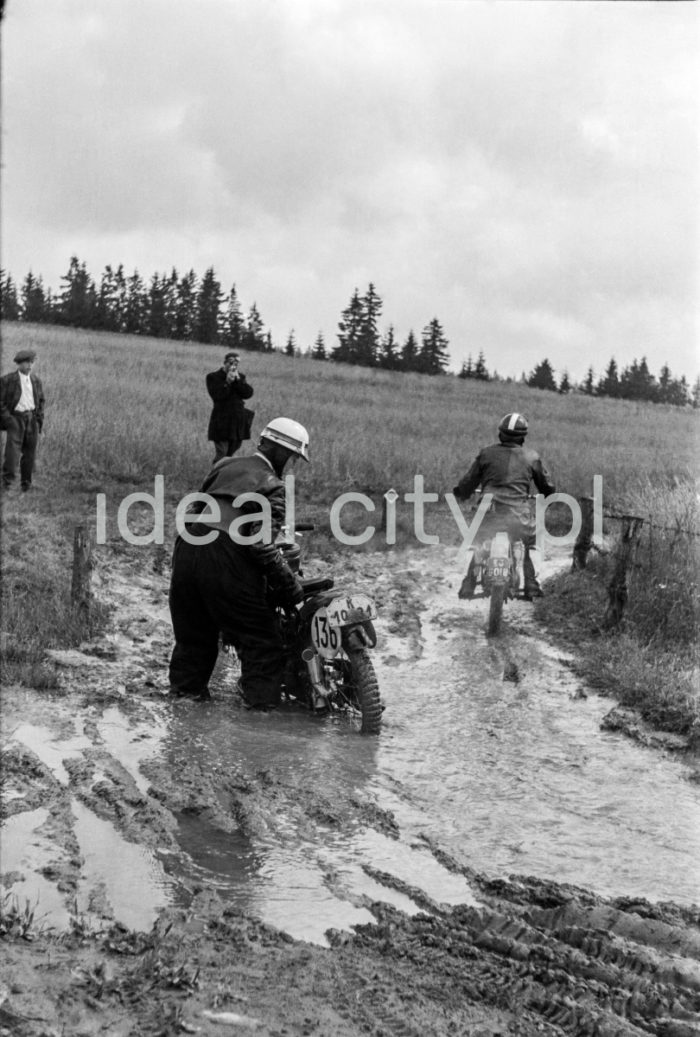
[355, 608]
[498, 569]
[328, 621]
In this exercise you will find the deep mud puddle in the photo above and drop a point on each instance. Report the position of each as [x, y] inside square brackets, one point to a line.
[304, 824]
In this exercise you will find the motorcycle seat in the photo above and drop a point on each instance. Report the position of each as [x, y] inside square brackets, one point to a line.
[316, 584]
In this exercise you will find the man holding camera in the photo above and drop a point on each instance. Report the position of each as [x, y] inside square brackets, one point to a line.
[230, 421]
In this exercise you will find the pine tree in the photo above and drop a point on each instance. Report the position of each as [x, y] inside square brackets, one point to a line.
[388, 358]
[564, 383]
[543, 377]
[78, 298]
[9, 303]
[253, 334]
[609, 384]
[156, 323]
[587, 385]
[409, 353]
[349, 331]
[481, 371]
[33, 299]
[290, 348]
[696, 393]
[185, 307]
[208, 304]
[319, 350]
[637, 383]
[467, 368]
[433, 357]
[106, 309]
[234, 327]
[368, 338]
[136, 310]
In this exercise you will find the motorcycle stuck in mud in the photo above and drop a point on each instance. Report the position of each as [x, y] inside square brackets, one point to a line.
[327, 641]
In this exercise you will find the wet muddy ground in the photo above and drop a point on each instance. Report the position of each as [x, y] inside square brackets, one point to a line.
[193, 867]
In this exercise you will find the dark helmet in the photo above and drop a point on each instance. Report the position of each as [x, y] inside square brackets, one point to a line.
[513, 426]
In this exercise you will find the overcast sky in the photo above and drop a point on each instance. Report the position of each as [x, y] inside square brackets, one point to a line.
[525, 170]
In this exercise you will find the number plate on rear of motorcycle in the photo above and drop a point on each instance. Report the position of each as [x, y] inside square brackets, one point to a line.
[340, 612]
[355, 608]
[498, 570]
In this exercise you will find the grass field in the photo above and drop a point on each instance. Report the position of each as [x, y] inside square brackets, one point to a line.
[121, 410]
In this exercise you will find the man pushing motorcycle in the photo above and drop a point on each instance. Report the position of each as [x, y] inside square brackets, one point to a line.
[507, 470]
[224, 584]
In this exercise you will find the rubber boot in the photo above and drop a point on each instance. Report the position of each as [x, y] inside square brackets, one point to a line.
[466, 591]
[532, 566]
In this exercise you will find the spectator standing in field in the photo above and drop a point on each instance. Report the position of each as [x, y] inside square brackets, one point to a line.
[22, 418]
[507, 470]
[222, 585]
[230, 421]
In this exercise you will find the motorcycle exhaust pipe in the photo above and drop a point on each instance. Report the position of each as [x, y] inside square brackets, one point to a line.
[313, 664]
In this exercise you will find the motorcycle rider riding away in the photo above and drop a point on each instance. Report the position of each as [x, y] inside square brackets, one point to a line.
[507, 470]
[222, 586]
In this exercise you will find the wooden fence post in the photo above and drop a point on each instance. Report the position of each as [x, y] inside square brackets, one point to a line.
[617, 590]
[584, 539]
[388, 520]
[81, 591]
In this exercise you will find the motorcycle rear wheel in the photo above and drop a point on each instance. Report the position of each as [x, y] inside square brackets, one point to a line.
[364, 690]
[498, 594]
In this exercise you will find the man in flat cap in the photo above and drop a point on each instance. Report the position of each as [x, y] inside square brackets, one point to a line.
[230, 421]
[21, 417]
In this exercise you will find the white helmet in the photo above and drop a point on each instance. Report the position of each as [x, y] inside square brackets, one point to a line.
[289, 434]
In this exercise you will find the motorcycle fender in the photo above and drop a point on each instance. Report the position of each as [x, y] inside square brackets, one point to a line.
[360, 636]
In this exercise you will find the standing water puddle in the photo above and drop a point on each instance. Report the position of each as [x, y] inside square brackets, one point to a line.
[505, 776]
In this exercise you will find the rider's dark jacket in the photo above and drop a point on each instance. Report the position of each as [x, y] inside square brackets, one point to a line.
[507, 471]
[230, 478]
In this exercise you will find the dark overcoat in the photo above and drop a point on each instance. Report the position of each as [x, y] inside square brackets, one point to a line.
[229, 418]
[10, 392]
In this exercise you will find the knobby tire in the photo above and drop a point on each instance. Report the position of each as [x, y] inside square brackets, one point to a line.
[498, 594]
[366, 689]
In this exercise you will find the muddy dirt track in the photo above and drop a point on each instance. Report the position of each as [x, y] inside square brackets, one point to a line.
[198, 869]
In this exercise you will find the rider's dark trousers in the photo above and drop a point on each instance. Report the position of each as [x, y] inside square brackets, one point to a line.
[517, 530]
[216, 589]
[20, 448]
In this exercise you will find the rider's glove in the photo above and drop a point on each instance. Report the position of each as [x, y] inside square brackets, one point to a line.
[284, 586]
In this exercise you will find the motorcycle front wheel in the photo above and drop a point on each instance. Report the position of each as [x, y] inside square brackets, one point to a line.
[498, 594]
[362, 690]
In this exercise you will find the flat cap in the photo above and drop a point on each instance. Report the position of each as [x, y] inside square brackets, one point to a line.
[24, 354]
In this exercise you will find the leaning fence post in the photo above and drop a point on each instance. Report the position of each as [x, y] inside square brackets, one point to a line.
[584, 540]
[617, 590]
[81, 590]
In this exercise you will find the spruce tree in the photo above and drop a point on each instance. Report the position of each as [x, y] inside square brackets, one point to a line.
[368, 338]
[319, 350]
[481, 371]
[349, 330]
[185, 306]
[254, 335]
[543, 377]
[433, 357]
[388, 358]
[9, 303]
[409, 353]
[207, 307]
[234, 326]
[33, 299]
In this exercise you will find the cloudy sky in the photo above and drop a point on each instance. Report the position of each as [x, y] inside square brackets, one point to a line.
[525, 170]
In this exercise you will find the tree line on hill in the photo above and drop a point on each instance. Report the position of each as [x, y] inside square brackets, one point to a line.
[193, 309]
[196, 309]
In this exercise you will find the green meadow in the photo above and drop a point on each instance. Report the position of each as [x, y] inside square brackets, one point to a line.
[123, 409]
